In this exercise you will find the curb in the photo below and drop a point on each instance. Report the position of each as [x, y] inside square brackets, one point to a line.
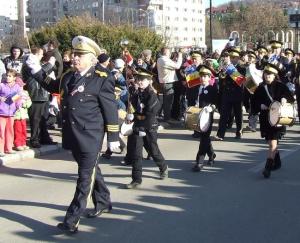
[29, 154]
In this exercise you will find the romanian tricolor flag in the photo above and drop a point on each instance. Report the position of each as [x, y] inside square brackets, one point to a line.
[238, 78]
[192, 76]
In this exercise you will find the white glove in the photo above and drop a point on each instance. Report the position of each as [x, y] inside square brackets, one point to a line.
[208, 109]
[283, 101]
[52, 61]
[263, 107]
[142, 134]
[33, 63]
[114, 146]
[129, 117]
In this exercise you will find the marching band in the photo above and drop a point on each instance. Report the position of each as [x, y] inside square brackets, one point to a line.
[265, 81]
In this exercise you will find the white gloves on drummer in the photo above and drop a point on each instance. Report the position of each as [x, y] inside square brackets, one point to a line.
[283, 101]
[208, 109]
[129, 117]
[263, 107]
[114, 146]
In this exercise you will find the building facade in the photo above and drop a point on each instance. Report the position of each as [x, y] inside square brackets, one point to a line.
[180, 22]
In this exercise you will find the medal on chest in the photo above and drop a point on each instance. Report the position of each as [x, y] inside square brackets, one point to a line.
[79, 89]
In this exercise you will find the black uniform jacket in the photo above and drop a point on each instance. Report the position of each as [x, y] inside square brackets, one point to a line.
[88, 109]
[208, 96]
[146, 106]
[277, 91]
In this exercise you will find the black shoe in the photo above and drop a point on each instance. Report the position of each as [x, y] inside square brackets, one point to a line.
[107, 154]
[35, 145]
[97, 213]
[238, 135]
[217, 138]
[125, 162]
[133, 185]
[197, 167]
[50, 142]
[68, 229]
[164, 174]
[211, 159]
[277, 162]
[268, 168]
[196, 134]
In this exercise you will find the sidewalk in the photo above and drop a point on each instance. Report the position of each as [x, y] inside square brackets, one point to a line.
[19, 156]
[55, 134]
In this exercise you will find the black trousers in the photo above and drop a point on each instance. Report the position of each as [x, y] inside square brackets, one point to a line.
[38, 122]
[230, 101]
[90, 183]
[168, 99]
[131, 148]
[205, 145]
[137, 144]
[179, 99]
[192, 95]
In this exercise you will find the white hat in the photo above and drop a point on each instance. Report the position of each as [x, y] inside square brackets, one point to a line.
[82, 44]
[119, 63]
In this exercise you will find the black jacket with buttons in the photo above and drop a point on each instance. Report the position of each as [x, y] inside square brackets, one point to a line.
[146, 106]
[88, 110]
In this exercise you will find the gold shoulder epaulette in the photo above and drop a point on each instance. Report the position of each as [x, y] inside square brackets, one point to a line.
[101, 74]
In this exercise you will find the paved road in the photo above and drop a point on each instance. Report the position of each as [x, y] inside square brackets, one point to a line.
[230, 202]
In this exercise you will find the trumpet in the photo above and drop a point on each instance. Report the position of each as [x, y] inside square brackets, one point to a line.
[124, 43]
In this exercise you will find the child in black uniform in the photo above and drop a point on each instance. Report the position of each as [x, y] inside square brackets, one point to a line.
[146, 106]
[207, 100]
[271, 89]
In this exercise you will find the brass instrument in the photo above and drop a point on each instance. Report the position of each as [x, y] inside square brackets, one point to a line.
[124, 42]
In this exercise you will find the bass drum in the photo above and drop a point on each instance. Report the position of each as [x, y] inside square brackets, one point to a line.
[282, 114]
[197, 119]
[253, 78]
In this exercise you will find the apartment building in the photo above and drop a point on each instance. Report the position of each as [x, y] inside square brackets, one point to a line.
[180, 22]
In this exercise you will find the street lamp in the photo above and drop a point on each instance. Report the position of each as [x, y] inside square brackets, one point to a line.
[210, 24]
[147, 13]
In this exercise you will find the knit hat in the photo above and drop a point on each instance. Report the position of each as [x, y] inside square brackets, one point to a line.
[103, 58]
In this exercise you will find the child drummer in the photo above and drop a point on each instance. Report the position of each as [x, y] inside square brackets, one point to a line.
[270, 90]
[207, 99]
[146, 106]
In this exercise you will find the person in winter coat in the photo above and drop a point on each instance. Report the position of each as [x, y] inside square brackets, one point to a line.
[9, 95]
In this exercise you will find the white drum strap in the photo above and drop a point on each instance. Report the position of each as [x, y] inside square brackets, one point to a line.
[267, 91]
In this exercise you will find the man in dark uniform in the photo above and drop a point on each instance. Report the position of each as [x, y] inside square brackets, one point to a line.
[232, 97]
[88, 110]
[262, 57]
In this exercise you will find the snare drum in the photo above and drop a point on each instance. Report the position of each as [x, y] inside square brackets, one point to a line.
[197, 119]
[282, 114]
